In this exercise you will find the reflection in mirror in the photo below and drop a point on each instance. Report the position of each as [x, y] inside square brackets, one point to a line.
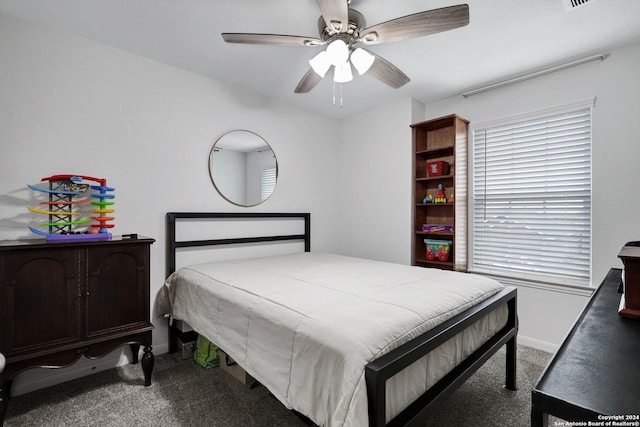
[243, 168]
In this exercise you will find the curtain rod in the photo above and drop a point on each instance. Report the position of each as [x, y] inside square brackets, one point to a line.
[599, 57]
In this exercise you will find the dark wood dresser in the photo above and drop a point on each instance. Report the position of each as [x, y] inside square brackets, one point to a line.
[62, 301]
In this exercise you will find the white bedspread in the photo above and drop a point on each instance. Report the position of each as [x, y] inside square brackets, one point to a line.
[305, 325]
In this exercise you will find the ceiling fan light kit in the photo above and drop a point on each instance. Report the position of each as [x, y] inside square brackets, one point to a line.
[362, 60]
[342, 73]
[337, 54]
[320, 63]
[342, 28]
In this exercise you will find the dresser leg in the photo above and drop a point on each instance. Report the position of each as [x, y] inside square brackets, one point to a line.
[147, 364]
[4, 401]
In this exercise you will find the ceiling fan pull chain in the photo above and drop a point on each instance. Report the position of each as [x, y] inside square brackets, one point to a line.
[334, 92]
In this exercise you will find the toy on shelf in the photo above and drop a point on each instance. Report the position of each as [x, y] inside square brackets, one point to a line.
[437, 228]
[437, 168]
[440, 197]
[428, 199]
[65, 209]
[438, 249]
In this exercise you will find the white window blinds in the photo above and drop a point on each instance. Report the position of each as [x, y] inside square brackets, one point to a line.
[531, 214]
[267, 183]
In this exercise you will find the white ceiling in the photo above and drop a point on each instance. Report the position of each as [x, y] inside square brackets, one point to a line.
[505, 38]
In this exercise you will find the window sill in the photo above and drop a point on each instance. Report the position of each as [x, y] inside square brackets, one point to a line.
[585, 291]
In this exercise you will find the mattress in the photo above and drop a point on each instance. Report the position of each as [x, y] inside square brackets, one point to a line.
[305, 325]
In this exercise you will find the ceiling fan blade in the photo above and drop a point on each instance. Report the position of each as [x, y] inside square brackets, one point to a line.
[388, 73]
[271, 39]
[335, 14]
[416, 25]
[308, 82]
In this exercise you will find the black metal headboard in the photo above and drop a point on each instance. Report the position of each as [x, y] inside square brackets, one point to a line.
[173, 217]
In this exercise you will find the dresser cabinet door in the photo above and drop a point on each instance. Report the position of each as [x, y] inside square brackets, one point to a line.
[39, 300]
[118, 294]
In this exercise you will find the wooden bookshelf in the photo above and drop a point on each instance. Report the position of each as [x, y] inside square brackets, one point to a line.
[434, 141]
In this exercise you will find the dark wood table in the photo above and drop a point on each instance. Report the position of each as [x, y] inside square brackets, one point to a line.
[595, 374]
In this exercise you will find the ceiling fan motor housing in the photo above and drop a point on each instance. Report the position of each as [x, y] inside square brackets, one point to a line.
[356, 24]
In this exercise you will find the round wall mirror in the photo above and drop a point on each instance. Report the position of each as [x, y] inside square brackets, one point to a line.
[243, 168]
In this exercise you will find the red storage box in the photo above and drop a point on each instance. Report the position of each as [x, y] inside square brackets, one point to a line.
[437, 168]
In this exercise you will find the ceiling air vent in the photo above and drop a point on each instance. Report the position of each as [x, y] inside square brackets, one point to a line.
[572, 4]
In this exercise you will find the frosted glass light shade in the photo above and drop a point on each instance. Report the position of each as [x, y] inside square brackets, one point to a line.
[338, 52]
[362, 60]
[342, 73]
[320, 63]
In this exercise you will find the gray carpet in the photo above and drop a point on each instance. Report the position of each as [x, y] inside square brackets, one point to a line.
[184, 394]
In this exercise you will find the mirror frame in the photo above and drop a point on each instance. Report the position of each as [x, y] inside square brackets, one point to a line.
[211, 172]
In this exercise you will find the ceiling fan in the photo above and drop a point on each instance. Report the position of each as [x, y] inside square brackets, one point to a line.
[342, 28]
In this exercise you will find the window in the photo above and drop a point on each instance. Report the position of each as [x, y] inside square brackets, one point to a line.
[267, 183]
[531, 197]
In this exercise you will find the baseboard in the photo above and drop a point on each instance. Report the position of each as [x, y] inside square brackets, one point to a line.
[540, 345]
[39, 378]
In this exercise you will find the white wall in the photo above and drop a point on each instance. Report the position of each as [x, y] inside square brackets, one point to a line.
[69, 105]
[374, 171]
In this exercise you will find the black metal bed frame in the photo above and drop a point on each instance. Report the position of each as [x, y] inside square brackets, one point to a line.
[380, 370]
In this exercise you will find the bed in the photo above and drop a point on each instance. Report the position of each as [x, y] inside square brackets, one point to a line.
[344, 341]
